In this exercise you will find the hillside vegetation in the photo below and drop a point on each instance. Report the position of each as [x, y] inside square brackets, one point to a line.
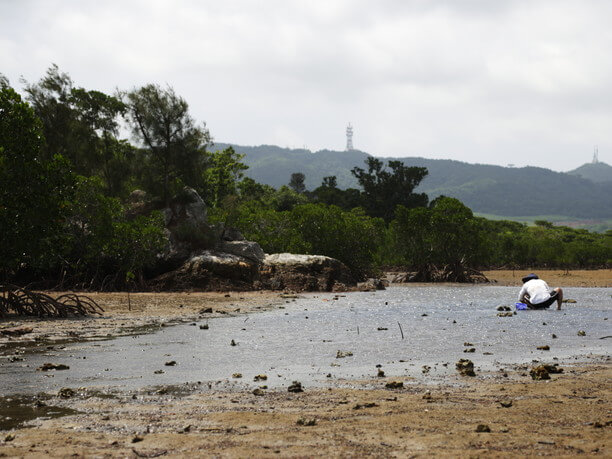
[511, 192]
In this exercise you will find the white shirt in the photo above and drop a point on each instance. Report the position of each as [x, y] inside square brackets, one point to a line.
[537, 289]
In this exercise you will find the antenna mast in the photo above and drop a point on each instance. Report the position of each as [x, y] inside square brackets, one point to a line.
[596, 155]
[349, 137]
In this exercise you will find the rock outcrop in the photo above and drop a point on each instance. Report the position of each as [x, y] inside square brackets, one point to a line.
[286, 271]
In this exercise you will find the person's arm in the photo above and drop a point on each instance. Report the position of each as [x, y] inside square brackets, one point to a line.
[522, 293]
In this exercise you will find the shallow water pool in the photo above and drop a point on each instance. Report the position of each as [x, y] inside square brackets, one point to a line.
[304, 341]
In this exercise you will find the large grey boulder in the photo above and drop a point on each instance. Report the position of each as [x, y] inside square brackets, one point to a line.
[246, 249]
[210, 271]
[286, 271]
[187, 228]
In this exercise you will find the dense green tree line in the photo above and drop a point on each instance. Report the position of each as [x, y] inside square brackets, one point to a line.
[66, 174]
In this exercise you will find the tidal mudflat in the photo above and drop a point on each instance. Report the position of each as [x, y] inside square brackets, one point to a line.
[416, 332]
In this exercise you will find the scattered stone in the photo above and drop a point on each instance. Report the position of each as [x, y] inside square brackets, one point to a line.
[18, 331]
[296, 386]
[306, 422]
[53, 366]
[382, 328]
[343, 354]
[483, 428]
[237, 375]
[471, 349]
[171, 363]
[543, 348]
[204, 327]
[66, 392]
[568, 300]
[554, 336]
[381, 373]
[206, 311]
[467, 344]
[427, 396]
[424, 315]
[9, 437]
[425, 369]
[394, 385]
[504, 308]
[259, 392]
[465, 367]
[539, 373]
[158, 372]
[14, 358]
[233, 343]
[505, 314]
[137, 439]
[260, 378]
[506, 404]
[581, 333]
[360, 406]
[185, 429]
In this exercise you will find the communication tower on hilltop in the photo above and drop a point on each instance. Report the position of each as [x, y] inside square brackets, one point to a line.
[596, 155]
[349, 137]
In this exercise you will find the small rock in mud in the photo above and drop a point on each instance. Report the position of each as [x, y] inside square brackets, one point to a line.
[9, 437]
[382, 328]
[425, 369]
[465, 367]
[137, 439]
[158, 372]
[504, 308]
[553, 369]
[206, 311]
[53, 366]
[233, 343]
[66, 392]
[306, 422]
[360, 406]
[505, 314]
[581, 333]
[204, 327]
[260, 377]
[544, 348]
[381, 373]
[467, 344]
[342, 354]
[471, 349]
[539, 373]
[568, 300]
[554, 336]
[394, 385]
[171, 363]
[427, 396]
[296, 386]
[259, 392]
[507, 404]
[483, 428]
[237, 375]
[15, 359]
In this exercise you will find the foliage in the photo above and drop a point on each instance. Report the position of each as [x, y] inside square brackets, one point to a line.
[445, 236]
[297, 182]
[174, 146]
[223, 172]
[384, 189]
[33, 191]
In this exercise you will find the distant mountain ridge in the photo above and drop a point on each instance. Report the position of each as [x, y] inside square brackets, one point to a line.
[526, 191]
[598, 172]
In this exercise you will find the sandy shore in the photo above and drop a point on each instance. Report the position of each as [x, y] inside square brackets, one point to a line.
[565, 416]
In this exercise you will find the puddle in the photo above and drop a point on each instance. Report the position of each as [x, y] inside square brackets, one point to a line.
[16, 411]
[414, 332]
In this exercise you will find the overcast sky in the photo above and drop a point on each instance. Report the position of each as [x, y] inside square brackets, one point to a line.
[524, 82]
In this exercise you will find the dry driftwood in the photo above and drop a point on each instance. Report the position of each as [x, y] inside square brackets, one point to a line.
[24, 302]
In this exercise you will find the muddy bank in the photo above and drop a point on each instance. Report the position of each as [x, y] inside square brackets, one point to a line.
[138, 313]
[555, 277]
[565, 416]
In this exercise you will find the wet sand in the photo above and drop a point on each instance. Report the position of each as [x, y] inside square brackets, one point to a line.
[565, 416]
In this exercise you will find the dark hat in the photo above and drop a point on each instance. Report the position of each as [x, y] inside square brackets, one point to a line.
[529, 277]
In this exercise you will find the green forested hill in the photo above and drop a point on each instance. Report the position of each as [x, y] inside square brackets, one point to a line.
[527, 191]
[595, 172]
